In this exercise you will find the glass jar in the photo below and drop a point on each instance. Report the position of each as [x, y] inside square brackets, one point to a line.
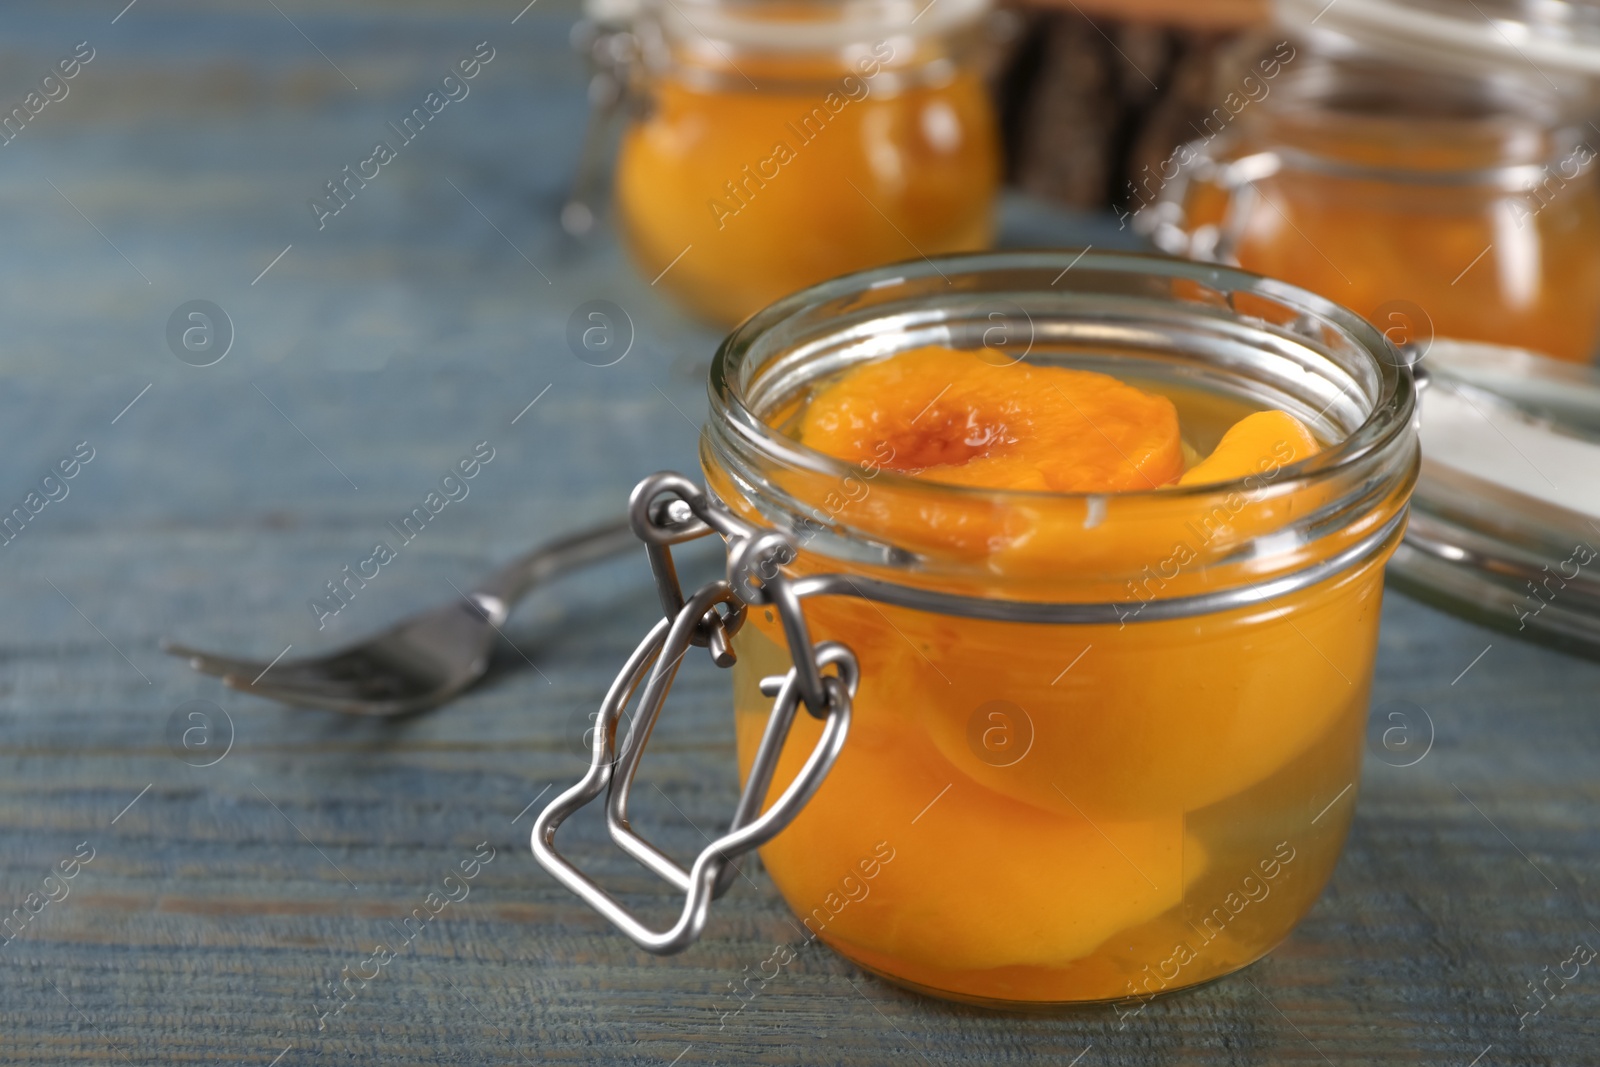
[1447, 201]
[780, 144]
[1096, 746]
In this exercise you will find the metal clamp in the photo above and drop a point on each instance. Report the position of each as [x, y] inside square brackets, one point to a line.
[1166, 221]
[667, 509]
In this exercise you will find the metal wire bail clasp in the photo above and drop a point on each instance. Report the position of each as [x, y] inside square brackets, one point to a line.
[668, 509]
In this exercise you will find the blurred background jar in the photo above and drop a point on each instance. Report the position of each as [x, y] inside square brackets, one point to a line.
[1446, 188]
[774, 145]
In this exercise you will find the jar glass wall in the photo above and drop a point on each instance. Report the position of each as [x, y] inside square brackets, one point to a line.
[782, 144]
[1113, 748]
[1442, 203]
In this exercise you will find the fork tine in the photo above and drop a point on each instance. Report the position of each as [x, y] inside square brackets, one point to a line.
[319, 697]
[210, 663]
[303, 696]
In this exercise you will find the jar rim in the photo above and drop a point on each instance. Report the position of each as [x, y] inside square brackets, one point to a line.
[1559, 35]
[1335, 100]
[1506, 178]
[766, 26]
[1392, 411]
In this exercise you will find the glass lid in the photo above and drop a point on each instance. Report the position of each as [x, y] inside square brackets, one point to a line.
[1505, 520]
[1543, 38]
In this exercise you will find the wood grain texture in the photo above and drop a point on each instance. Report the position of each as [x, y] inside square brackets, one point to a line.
[219, 904]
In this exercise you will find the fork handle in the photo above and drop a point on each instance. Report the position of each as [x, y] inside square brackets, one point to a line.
[499, 593]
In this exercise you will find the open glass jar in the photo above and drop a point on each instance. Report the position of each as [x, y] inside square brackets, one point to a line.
[1428, 193]
[1060, 747]
[779, 144]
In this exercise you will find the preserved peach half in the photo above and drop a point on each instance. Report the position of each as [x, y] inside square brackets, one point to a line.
[1077, 881]
[963, 419]
[1054, 439]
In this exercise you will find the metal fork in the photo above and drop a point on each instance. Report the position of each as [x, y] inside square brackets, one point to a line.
[425, 660]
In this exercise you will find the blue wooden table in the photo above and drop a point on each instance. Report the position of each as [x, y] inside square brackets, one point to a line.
[187, 871]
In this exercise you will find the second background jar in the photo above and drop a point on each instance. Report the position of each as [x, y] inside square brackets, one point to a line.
[1439, 183]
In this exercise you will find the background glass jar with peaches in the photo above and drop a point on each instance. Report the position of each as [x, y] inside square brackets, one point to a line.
[778, 144]
[1438, 194]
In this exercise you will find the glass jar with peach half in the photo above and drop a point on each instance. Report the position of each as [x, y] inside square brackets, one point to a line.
[1460, 203]
[780, 144]
[1110, 738]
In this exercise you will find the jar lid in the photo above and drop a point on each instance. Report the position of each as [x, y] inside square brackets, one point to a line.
[612, 13]
[1547, 39]
[811, 25]
[1505, 519]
